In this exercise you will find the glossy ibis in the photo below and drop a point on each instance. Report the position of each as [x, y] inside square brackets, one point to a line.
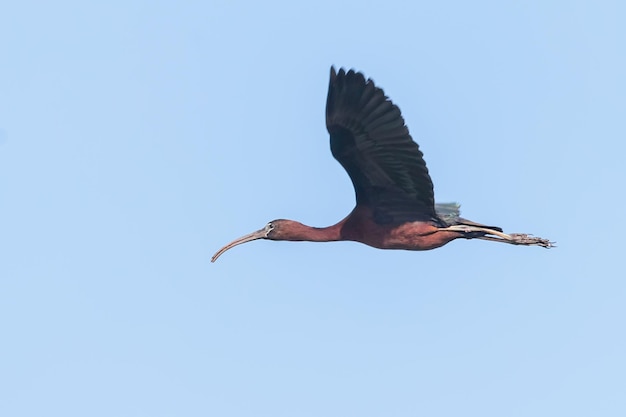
[395, 206]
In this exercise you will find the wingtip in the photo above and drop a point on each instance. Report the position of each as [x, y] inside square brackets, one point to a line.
[341, 73]
[350, 73]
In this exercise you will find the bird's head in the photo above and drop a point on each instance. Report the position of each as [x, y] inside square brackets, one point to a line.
[274, 230]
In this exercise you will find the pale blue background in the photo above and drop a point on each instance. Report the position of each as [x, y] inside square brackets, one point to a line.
[136, 138]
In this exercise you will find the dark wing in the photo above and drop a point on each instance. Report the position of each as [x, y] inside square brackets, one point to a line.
[370, 140]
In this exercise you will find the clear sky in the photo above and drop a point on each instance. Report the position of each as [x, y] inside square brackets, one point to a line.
[136, 138]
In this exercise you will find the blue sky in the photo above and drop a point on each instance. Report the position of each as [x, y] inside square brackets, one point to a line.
[136, 138]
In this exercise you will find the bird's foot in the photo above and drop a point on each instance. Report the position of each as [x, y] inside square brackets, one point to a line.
[529, 240]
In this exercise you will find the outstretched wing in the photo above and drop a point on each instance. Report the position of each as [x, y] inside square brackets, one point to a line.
[370, 140]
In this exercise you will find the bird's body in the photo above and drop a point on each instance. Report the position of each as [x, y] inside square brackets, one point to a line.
[360, 227]
[395, 206]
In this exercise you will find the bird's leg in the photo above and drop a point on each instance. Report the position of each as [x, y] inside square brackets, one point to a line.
[469, 229]
[513, 238]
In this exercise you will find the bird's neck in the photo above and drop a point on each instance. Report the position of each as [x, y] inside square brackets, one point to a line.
[296, 231]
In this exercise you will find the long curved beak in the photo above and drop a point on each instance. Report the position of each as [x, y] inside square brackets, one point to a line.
[259, 234]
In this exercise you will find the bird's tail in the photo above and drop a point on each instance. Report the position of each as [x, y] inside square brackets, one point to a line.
[450, 213]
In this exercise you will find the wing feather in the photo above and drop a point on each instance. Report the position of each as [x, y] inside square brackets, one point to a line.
[370, 140]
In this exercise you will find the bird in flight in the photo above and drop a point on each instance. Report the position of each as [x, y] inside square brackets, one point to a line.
[395, 206]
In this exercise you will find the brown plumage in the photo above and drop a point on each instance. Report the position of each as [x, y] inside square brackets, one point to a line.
[395, 206]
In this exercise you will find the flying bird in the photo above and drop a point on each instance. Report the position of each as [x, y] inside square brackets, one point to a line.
[395, 206]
